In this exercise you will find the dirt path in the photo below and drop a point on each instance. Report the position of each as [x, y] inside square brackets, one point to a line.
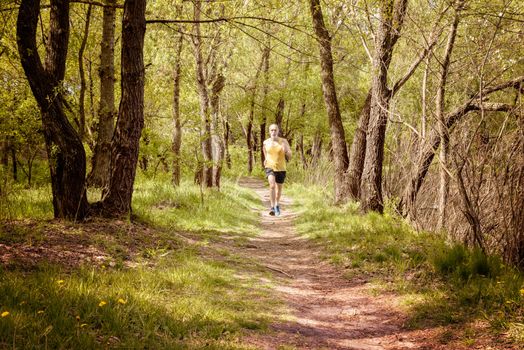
[328, 311]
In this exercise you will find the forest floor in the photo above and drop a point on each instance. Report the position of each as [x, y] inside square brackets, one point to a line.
[328, 311]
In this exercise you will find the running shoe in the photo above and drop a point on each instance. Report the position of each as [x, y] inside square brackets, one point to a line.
[272, 211]
[277, 210]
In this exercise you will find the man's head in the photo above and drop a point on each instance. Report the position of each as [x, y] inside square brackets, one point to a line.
[273, 131]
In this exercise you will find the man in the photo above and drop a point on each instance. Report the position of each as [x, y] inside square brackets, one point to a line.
[276, 153]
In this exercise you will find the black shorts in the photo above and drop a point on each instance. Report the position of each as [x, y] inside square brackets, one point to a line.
[280, 176]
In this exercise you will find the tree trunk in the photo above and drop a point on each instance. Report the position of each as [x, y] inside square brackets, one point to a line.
[442, 128]
[265, 90]
[340, 154]
[249, 133]
[67, 162]
[207, 170]
[177, 128]
[469, 211]
[385, 37]
[81, 72]
[358, 151]
[300, 148]
[280, 114]
[13, 160]
[100, 163]
[227, 131]
[130, 121]
[218, 147]
[316, 149]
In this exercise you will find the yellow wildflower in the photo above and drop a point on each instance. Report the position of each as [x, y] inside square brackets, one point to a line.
[60, 282]
[83, 325]
[122, 301]
[5, 314]
[522, 292]
[40, 312]
[102, 303]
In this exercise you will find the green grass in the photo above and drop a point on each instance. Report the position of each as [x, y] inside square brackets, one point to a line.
[157, 290]
[441, 284]
[229, 210]
[180, 303]
[19, 202]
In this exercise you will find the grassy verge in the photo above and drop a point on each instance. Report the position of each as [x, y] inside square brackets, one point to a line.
[146, 284]
[440, 284]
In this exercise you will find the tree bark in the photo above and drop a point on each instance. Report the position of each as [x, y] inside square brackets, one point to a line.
[207, 169]
[227, 131]
[265, 90]
[13, 160]
[279, 115]
[386, 36]
[358, 151]
[316, 149]
[101, 160]
[130, 121]
[81, 72]
[217, 145]
[66, 155]
[249, 128]
[177, 128]
[442, 128]
[339, 148]
[300, 149]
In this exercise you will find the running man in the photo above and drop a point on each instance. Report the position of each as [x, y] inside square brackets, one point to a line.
[276, 153]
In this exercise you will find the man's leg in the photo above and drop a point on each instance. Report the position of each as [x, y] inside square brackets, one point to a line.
[277, 199]
[272, 190]
[278, 193]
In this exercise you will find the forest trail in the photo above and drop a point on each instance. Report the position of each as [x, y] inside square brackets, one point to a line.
[327, 310]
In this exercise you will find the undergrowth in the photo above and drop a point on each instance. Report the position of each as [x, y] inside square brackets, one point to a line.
[441, 283]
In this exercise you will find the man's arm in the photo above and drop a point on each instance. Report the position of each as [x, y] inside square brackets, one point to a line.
[264, 150]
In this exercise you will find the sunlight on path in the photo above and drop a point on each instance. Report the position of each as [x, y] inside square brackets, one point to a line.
[326, 310]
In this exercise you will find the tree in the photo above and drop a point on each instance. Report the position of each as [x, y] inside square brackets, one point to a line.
[66, 156]
[340, 154]
[207, 168]
[385, 38]
[177, 125]
[100, 162]
[443, 130]
[130, 121]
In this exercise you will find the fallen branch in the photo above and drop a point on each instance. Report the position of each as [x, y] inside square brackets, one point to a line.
[277, 270]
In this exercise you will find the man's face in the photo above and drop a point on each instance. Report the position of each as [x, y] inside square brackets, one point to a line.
[273, 132]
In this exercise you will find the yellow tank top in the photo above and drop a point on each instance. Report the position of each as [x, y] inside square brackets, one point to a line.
[275, 155]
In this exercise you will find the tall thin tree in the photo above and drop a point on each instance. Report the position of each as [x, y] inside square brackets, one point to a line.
[442, 127]
[371, 182]
[126, 139]
[101, 160]
[338, 141]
